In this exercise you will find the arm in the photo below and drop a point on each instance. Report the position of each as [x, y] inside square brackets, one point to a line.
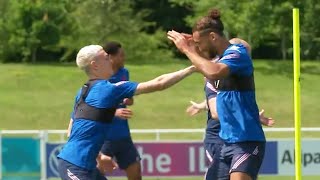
[213, 108]
[210, 70]
[164, 81]
[69, 128]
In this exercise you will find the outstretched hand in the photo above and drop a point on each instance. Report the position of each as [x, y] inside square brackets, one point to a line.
[194, 108]
[266, 121]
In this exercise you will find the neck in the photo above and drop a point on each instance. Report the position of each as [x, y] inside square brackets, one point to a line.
[115, 68]
[224, 44]
[92, 76]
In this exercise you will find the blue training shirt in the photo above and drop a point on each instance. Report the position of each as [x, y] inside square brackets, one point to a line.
[120, 127]
[87, 136]
[237, 110]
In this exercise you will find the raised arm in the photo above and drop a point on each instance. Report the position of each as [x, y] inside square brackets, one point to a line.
[164, 81]
[210, 70]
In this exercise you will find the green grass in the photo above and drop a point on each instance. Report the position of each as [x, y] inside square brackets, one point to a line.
[42, 96]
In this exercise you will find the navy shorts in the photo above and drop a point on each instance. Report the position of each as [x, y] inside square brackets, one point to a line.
[213, 150]
[70, 171]
[124, 152]
[243, 157]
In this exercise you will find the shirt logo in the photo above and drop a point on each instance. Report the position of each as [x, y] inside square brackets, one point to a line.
[121, 82]
[231, 56]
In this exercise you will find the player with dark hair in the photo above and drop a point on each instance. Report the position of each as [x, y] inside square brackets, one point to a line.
[241, 131]
[212, 141]
[119, 143]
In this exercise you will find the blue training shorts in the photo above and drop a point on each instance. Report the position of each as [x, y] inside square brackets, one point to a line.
[70, 171]
[123, 151]
[243, 157]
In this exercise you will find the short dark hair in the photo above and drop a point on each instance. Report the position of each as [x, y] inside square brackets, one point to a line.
[211, 22]
[112, 47]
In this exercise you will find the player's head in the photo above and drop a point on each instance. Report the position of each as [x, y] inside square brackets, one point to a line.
[208, 32]
[117, 55]
[241, 41]
[94, 61]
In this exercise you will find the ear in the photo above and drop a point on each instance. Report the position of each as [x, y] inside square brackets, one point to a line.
[213, 36]
[93, 64]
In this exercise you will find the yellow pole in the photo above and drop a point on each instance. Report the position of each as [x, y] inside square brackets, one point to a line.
[296, 85]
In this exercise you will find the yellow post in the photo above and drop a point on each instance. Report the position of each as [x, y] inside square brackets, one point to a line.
[296, 85]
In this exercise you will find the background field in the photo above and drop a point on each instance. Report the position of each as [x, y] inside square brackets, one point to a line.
[41, 97]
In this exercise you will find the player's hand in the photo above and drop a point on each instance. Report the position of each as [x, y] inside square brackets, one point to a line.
[187, 36]
[123, 113]
[128, 101]
[194, 108]
[266, 121]
[182, 41]
[106, 164]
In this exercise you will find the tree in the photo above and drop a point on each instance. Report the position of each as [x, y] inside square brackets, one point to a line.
[106, 20]
[32, 25]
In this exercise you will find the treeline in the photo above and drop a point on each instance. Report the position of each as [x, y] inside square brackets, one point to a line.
[54, 30]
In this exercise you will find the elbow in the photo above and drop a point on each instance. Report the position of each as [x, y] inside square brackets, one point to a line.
[214, 115]
[212, 75]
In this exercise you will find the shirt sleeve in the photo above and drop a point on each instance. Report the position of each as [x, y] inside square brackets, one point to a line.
[234, 61]
[211, 92]
[124, 89]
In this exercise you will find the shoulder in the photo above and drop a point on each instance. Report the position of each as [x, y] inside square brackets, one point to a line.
[101, 86]
[235, 51]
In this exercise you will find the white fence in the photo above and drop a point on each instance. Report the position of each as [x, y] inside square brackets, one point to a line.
[44, 134]
[156, 132]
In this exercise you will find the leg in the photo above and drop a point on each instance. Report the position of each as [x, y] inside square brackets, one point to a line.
[134, 171]
[240, 176]
[97, 175]
[246, 165]
[69, 171]
[128, 159]
[218, 169]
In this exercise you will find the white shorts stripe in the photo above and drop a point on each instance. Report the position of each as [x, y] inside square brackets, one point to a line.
[241, 160]
[72, 176]
[209, 156]
[256, 151]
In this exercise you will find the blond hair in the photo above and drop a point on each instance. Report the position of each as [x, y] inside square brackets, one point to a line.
[86, 55]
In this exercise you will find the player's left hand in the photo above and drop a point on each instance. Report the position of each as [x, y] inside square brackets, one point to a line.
[106, 164]
[266, 121]
[194, 108]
